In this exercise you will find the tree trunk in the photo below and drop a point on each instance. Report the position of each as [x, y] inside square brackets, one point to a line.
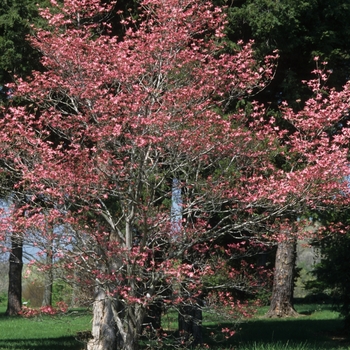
[74, 299]
[113, 328]
[153, 318]
[132, 338]
[283, 284]
[103, 332]
[190, 325]
[129, 326]
[47, 297]
[14, 304]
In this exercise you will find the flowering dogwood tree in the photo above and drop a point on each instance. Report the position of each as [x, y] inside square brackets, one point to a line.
[315, 175]
[113, 121]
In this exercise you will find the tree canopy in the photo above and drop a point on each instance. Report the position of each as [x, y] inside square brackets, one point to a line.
[110, 122]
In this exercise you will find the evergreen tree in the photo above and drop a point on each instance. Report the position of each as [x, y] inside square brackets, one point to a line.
[300, 30]
[18, 58]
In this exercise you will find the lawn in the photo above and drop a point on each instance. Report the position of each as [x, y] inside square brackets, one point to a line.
[43, 332]
[319, 328]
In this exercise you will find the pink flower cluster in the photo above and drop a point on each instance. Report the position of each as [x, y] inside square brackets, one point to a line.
[61, 307]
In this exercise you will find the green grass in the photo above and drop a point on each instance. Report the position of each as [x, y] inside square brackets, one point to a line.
[319, 328]
[278, 346]
[43, 332]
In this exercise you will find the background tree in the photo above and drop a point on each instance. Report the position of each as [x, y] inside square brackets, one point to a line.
[14, 304]
[300, 30]
[18, 59]
[326, 133]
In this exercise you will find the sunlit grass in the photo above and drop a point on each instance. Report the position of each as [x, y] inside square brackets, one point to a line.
[43, 332]
[318, 328]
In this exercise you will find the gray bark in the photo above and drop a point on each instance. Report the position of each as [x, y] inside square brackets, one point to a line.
[283, 284]
[103, 325]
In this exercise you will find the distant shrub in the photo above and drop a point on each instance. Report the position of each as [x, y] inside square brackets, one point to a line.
[33, 292]
[3, 298]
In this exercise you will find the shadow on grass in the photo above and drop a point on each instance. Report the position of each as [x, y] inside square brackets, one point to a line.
[318, 334]
[61, 343]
